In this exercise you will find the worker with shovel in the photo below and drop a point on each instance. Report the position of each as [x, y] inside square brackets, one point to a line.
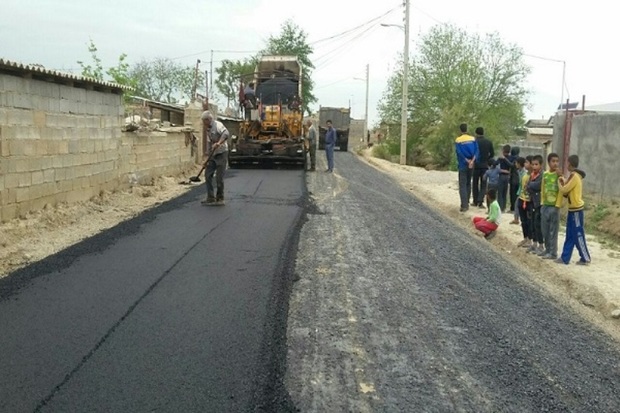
[214, 137]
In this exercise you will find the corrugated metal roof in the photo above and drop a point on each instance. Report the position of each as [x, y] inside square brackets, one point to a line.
[540, 131]
[11, 66]
[173, 107]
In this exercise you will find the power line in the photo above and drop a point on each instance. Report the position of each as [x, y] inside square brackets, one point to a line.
[357, 27]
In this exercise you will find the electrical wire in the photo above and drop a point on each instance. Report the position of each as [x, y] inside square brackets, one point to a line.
[357, 27]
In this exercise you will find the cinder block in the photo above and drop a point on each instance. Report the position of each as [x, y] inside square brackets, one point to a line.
[49, 175]
[66, 186]
[22, 101]
[25, 180]
[74, 146]
[9, 212]
[47, 162]
[19, 165]
[65, 105]
[41, 147]
[11, 180]
[10, 83]
[30, 147]
[37, 177]
[23, 194]
[57, 161]
[54, 105]
[40, 119]
[4, 146]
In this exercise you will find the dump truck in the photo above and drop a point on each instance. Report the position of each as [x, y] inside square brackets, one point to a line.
[341, 121]
[273, 131]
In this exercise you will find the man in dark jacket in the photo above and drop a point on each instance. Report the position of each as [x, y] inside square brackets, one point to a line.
[330, 143]
[466, 155]
[485, 147]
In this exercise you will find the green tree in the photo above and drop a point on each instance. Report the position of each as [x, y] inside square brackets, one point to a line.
[292, 41]
[94, 71]
[459, 77]
[230, 74]
[118, 74]
[121, 72]
[164, 80]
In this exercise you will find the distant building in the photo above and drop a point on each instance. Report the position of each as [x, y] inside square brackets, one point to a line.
[539, 130]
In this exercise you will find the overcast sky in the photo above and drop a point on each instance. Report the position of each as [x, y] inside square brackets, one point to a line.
[55, 33]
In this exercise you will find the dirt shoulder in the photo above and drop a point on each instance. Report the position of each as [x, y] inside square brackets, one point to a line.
[48, 231]
[596, 286]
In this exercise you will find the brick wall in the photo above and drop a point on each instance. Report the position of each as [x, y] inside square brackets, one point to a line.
[60, 143]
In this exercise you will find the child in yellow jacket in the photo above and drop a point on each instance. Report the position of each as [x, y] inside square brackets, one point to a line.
[575, 235]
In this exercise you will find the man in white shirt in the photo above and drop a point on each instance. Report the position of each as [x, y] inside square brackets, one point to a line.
[214, 137]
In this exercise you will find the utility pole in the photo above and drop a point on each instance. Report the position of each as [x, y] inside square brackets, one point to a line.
[403, 126]
[211, 75]
[366, 115]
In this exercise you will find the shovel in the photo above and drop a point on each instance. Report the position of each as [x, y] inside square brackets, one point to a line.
[204, 165]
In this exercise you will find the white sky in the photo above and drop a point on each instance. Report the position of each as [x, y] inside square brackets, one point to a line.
[55, 33]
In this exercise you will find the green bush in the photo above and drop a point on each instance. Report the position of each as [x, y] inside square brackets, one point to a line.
[381, 151]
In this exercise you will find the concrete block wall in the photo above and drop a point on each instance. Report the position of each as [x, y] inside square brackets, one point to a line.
[57, 143]
[595, 138]
[146, 155]
[60, 143]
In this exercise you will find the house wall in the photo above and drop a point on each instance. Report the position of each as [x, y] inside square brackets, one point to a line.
[60, 143]
[596, 139]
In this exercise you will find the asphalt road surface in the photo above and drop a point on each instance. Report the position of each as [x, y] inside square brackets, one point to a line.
[182, 309]
[399, 310]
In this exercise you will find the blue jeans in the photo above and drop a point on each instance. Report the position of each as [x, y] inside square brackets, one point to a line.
[329, 153]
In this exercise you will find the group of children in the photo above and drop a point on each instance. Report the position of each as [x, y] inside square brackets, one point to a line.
[540, 197]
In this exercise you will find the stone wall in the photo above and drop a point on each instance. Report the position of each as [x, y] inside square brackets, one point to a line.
[60, 143]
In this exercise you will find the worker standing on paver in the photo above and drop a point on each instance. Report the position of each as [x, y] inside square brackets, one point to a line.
[214, 137]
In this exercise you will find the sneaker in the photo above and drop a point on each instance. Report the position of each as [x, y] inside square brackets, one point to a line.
[549, 257]
[524, 243]
[490, 235]
[208, 201]
[532, 249]
[464, 209]
[582, 262]
[560, 261]
[514, 222]
[541, 252]
[220, 202]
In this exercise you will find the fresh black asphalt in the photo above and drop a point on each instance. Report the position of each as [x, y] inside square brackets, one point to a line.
[182, 308]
